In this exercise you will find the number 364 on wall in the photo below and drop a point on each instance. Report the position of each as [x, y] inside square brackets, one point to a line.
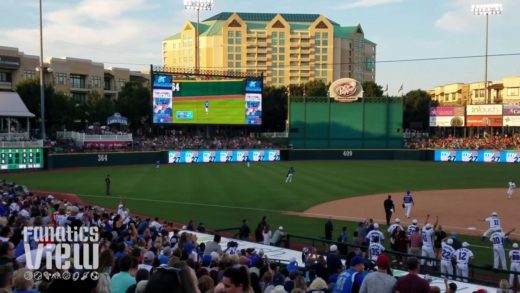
[102, 158]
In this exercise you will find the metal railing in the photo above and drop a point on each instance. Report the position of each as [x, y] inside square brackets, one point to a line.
[82, 137]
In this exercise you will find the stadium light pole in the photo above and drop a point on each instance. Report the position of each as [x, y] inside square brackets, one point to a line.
[42, 85]
[198, 5]
[487, 10]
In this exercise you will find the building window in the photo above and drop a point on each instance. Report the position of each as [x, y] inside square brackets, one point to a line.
[96, 81]
[234, 49]
[61, 78]
[77, 81]
[79, 97]
[29, 74]
[122, 83]
[5, 76]
[108, 84]
[513, 92]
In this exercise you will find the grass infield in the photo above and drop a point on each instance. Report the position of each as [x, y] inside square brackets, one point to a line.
[221, 195]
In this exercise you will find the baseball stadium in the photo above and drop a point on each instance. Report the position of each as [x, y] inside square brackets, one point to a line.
[345, 161]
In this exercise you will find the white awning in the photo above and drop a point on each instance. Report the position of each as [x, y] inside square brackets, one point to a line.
[11, 105]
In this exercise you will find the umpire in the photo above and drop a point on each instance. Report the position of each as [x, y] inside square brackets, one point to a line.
[389, 208]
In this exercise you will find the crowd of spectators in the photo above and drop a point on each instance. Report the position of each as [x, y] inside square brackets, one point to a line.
[484, 141]
[139, 254]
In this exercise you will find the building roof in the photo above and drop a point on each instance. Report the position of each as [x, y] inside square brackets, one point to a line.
[214, 28]
[370, 42]
[174, 37]
[290, 17]
[11, 105]
[256, 25]
[346, 31]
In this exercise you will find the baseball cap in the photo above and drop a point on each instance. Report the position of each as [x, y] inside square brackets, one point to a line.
[293, 259]
[414, 221]
[449, 241]
[356, 260]
[120, 206]
[333, 248]
[280, 228]
[382, 261]
[494, 214]
[515, 245]
[397, 220]
[465, 244]
[376, 225]
[428, 226]
[149, 255]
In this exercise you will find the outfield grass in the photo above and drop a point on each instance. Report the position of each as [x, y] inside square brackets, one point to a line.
[224, 111]
[221, 195]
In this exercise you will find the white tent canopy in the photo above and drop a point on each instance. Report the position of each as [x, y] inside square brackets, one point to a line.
[11, 105]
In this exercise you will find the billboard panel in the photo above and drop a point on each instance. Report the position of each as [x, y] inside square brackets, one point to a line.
[482, 121]
[511, 120]
[222, 156]
[447, 121]
[511, 110]
[483, 110]
[482, 156]
[446, 111]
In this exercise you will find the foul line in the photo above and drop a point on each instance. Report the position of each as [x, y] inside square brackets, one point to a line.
[270, 211]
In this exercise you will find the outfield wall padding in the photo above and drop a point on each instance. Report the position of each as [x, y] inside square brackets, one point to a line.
[358, 154]
[56, 161]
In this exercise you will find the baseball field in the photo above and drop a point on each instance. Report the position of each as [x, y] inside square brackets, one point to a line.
[221, 110]
[221, 195]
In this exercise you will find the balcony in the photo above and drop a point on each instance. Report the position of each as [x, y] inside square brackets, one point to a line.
[5, 85]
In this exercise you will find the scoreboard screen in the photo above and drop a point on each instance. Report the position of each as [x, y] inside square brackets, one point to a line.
[226, 101]
[19, 159]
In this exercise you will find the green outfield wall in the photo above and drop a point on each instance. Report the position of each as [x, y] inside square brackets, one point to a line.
[358, 154]
[56, 161]
[321, 122]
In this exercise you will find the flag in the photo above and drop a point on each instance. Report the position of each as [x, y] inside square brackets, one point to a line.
[401, 90]
[386, 90]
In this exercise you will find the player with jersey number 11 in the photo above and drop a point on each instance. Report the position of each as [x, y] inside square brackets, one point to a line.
[494, 225]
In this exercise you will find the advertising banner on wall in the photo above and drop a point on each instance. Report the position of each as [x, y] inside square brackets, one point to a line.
[481, 156]
[483, 110]
[447, 116]
[511, 110]
[511, 120]
[483, 121]
[222, 156]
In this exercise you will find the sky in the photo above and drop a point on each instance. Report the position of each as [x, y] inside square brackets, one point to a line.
[128, 33]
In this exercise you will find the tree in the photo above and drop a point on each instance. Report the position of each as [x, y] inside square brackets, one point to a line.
[315, 88]
[274, 109]
[59, 110]
[134, 102]
[417, 108]
[100, 107]
[296, 90]
[372, 89]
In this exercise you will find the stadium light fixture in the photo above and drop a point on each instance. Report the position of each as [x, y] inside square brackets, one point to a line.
[198, 5]
[487, 10]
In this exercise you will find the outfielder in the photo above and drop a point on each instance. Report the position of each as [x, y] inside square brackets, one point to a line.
[463, 256]
[290, 174]
[514, 255]
[511, 189]
[446, 255]
[375, 234]
[427, 237]
[497, 238]
[408, 203]
[494, 225]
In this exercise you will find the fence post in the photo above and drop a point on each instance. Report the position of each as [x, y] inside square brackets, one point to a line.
[288, 241]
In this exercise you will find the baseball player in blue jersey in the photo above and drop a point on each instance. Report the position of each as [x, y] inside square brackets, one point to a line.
[408, 203]
[290, 174]
[514, 255]
[206, 106]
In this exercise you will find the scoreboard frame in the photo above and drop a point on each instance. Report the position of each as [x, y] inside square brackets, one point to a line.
[10, 159]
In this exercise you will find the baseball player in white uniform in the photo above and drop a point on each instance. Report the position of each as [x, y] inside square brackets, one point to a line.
[494, 225]
[413, 227]
[446, 255]
[408, 203]
[497, 238]
[463, 256]
[511, 189]
[391, 228]
[375, 249]
[427, 238]
[514, 255]
[372, 235]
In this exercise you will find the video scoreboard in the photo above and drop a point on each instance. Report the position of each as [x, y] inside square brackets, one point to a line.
[224, 101]
[19, 159]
